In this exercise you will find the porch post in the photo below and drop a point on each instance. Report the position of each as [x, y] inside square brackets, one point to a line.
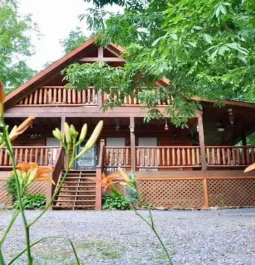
[201, 140]
[63, 120]
[132, 143]
[99, 171]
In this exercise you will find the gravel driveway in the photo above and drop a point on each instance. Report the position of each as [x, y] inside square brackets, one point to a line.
[119, 237]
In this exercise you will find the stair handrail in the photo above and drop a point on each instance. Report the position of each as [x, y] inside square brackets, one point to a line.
[99, 172]
[58, 167]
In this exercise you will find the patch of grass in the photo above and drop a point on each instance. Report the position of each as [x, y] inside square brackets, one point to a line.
[105, 250]
[110, 254]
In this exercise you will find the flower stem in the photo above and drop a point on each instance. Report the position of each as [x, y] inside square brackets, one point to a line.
[151, 225]
[1, 257]
[69, 163]
[11, 154]
[14, 217]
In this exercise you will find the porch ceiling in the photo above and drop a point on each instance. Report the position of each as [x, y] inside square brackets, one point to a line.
[214, 117]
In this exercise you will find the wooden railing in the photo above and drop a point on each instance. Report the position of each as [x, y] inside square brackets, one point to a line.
[131, 101]
[59, 95]
[42, 155]
[230, 156]
[99, 172]
[167, 156]
[117, 156]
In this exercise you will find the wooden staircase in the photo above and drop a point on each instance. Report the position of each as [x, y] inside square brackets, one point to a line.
[78, 191]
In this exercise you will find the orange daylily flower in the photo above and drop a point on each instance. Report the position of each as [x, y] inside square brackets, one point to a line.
[106, 181]
[16, 131]
[250, 168]
[31, 172]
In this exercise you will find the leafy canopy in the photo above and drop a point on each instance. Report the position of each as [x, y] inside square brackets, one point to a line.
[15, 45]
[205, 47]
[73, 40]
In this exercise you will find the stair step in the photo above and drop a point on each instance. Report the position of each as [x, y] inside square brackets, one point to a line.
[78, 186]
[75, 201]
[82, 178]
[81, 191]
[73, 206]
[85, 195]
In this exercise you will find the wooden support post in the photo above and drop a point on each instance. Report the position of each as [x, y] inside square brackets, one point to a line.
[132, 143]
[99, 172]
[100, 52]
[63, 120]
[206, 199]
[201, 141]
[99, 99]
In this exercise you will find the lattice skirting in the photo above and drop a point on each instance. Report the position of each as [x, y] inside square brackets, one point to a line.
[173, 193]
[231, 192]
[191, 193]
[38, 187]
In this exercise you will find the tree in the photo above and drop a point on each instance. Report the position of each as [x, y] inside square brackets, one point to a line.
[15, 45]
[74, 40]
[204, 47]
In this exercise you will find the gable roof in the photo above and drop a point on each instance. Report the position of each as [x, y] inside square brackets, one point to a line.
[45, 75]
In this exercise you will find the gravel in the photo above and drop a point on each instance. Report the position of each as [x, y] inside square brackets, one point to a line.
[119, 237]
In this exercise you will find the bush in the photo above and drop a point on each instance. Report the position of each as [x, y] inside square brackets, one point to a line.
[115, 202]
[32, 201]
[11, 188]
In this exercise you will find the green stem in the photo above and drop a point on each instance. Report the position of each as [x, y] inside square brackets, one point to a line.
[69, 163]
[11, 154]
[2, 262]
[16, 214]
[151, 225]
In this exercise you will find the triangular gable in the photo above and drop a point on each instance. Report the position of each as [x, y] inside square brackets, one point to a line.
[28, 88]
[42, 77]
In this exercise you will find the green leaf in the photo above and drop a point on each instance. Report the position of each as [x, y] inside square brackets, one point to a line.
[207, 38]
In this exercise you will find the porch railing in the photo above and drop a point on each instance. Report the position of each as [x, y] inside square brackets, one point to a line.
[117, 156]
[60, 95]
[42, 155]
[232, 156]
[134, 101]
[167, 156]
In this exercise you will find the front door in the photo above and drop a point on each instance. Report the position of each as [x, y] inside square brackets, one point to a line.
[147, 141]
[87, 161]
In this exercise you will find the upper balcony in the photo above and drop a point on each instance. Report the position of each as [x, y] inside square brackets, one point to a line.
[61, 96]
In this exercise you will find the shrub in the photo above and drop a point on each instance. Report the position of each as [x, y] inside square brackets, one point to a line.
[115, 202]
[32, 201]
[11, 188]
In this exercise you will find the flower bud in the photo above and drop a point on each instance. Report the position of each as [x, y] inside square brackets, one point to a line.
[57, 134]
[83, 133]
[67, 133]
[73, 131]
[93, 138]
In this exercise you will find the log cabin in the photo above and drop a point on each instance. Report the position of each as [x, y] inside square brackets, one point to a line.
[199, 166]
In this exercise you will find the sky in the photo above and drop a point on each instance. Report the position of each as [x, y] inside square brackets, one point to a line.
[55, 19]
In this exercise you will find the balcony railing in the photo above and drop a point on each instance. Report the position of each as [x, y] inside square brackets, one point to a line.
[42, 155]
[230, 156]
[116, 156]
[60, 95]
[167, 156]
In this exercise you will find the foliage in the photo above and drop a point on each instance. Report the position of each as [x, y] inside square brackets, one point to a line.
[15, 44]
[26, 174]
[73, 40]
[115, 202]
[10, 186]
[32, 201]
[206, 48]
